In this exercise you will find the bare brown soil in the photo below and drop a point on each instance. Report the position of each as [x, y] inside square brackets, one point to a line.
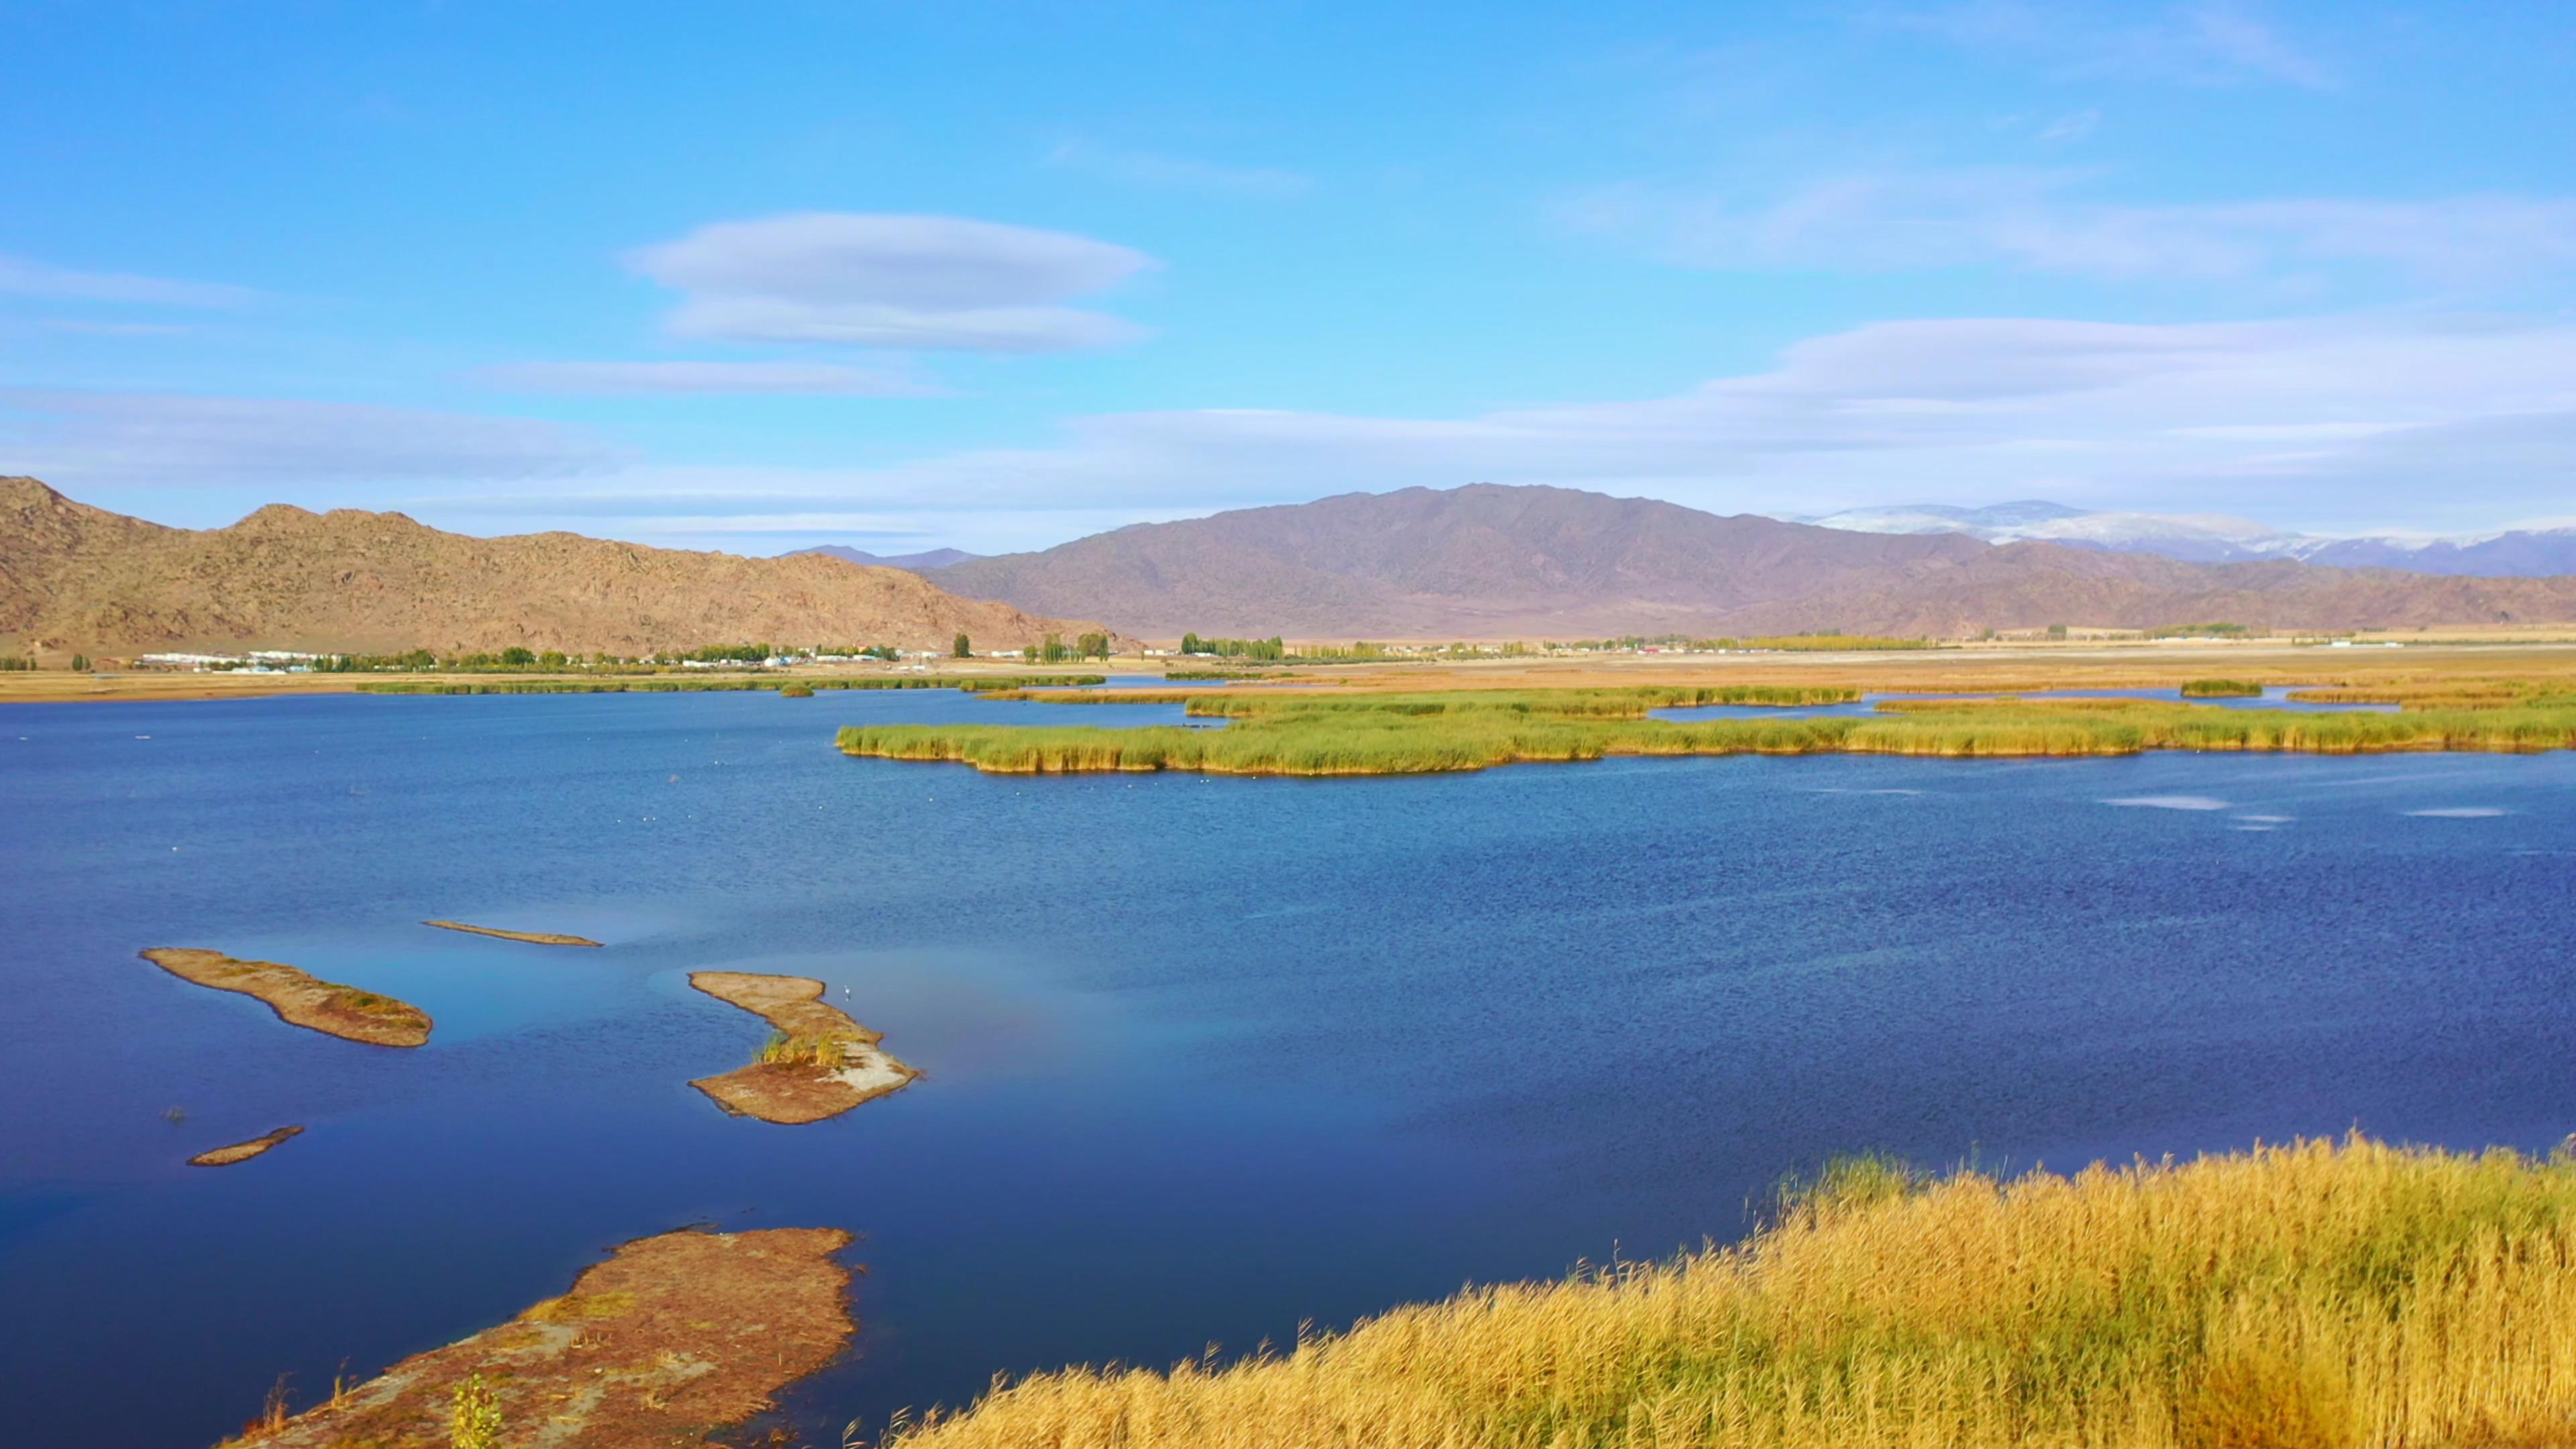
[299, 999]
[243, 1151]
[793, 1093]
[672, 1339]
[533, 938]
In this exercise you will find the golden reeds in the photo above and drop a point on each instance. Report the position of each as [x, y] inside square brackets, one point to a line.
[2315, 1296]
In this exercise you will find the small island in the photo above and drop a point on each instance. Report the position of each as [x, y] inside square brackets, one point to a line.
[533, 938]
[671, 1339]
[243, 1151]
[299, 999]
[818, 1063]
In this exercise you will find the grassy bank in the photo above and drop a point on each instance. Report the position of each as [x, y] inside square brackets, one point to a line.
[1372, 734]
[969, 683]
[2317, 1296]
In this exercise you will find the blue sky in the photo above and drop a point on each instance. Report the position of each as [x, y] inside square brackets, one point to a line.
[908, 274]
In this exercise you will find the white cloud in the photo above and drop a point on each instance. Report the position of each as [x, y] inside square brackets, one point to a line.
[891, 281]
[2040, 219]
[706, 377]
[1177, 173]
[79, 439]
[2068, 129]
[26, 277]
[2448, 424]
[2198, 44]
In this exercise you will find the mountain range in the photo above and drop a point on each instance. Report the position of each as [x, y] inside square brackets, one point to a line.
[1479, 562]
[74, 578]
[937, 558]
[2218, 538]
[1489, 561]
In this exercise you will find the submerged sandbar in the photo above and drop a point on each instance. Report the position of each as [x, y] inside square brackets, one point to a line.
[243, 1151]
[673, 1338]
[819, 1064]
[533, 938]
[300, 999]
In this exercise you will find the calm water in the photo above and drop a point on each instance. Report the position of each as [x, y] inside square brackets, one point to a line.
[1205, 1057]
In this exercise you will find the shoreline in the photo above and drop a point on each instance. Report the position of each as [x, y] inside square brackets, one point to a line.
[533, 938]
[673, 1337]
[819, 1063]
[300, 998]
[243, 1151]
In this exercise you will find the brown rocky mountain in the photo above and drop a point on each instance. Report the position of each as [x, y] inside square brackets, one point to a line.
[1487, 561]
[73, 577]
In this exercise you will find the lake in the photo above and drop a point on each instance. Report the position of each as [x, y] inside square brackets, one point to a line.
[1203, 1057]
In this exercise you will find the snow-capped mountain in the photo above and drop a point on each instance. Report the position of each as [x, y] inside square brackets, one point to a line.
[2218, 538]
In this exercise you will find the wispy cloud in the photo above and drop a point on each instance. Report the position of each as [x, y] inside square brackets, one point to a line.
[2310, 424]
[26, 277]
[91, 327]
[886, 281]
[77, 438]
[821, 378]
[2042, 219]
[1177, 173]
[2197, 44]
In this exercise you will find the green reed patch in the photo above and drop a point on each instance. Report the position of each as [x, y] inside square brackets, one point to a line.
[1386, 734]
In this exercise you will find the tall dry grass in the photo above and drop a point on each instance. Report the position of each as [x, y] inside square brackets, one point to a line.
[2316, 1296]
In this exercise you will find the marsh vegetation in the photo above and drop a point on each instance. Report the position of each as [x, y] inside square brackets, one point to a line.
[2319, 1295]
[1320, 733]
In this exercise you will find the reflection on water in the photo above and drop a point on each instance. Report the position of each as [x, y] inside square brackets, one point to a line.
[1203, 1057]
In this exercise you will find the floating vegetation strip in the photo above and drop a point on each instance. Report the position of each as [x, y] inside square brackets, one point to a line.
[2329, 1296]
[533, 938]
[672, 1338]
[1386, 734]
[299, 999]
[2221, 689]
[243, 1151]
[818, 1063]
[972, 684]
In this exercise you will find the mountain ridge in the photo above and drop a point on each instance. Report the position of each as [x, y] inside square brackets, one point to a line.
[2218, 538]
[77, 578]
[1491, 561]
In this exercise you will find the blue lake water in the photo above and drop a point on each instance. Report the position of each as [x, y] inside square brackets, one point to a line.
[1204, 1057]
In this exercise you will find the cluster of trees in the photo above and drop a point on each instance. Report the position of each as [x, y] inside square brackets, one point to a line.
[16, 663]
[1271, 648]
[1053, 649]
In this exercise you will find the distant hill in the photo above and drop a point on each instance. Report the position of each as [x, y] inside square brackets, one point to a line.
[1488, 561]
[937, 558]
[73, 577]
[2216, 538]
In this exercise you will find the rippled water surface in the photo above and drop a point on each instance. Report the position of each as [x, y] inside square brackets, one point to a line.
[1204, 1057]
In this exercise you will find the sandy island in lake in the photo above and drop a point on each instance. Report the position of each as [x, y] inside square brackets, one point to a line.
[299, 999]
[243, 1151]
[673, 1338]
[533, 938]
[820, 1065]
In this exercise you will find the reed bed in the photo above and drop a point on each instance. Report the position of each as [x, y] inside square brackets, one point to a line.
[2221, 689]
[2439, 694]
[2319, 1295]
[1375, 734]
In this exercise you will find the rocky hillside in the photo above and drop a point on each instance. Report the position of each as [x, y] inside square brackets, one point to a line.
[77, 578]
[1487, 561]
